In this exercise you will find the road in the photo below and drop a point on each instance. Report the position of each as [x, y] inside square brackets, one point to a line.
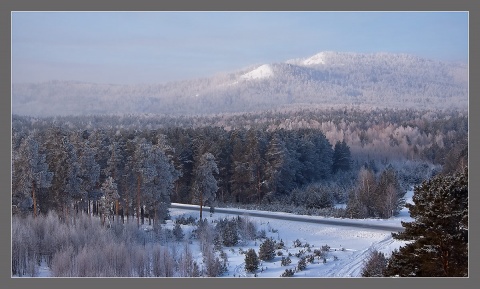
[298, 218]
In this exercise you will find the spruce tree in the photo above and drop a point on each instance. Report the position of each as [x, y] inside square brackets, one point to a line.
[438, 236]
[341, 157]
[267, 250]
[251, 260]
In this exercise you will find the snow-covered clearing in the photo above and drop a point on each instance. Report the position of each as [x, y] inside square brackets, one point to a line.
[349, 247]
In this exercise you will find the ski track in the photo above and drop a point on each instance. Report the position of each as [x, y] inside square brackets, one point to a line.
[239, 270]
[353, 266]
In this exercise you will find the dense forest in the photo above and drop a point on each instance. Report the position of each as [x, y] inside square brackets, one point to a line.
[303, 161]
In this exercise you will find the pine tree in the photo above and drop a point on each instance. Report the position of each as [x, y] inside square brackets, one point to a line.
[240, 175]
[162, 186]
[205, 181]
[90, 170]
[57, 157]
[438, 236]
[278, 173]
[143, 163]
[114, 170]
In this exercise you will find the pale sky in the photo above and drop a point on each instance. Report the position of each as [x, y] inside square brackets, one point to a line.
[157, 47]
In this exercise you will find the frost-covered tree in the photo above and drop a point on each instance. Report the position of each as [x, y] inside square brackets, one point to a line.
[178, 232]
[110, 195]
[144, 167]
[388, 195]
[72, 191]
[157, 193]
[438, 237]
[90, 170]
[361, 199]
[375, 265]
[114, 169]
[213, 265]
[205, 181]
[30, 173]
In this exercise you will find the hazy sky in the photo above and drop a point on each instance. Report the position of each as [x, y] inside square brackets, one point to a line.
[149, 47]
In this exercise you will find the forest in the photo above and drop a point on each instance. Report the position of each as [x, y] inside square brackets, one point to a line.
[307, 160]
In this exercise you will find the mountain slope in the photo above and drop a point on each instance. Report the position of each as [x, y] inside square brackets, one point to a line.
[327, 79]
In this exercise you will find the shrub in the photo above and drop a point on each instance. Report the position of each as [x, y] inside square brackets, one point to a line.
[297, 243]
[286, 261]
[302, 264]
[287, 273]
[178, 232]
[280, 245]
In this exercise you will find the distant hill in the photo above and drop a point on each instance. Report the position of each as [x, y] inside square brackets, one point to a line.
[325, 79]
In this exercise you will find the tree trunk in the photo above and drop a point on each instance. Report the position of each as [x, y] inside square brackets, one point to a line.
[259, 184]
[201, 205]
[138, 201]
[127, 207]
[155, 216]
[75, 212]
[34, 200]
[117, 203]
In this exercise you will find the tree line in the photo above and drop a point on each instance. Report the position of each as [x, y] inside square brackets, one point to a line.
[135, 166]
[138, 173]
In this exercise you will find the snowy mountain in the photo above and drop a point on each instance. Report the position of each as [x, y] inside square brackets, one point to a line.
[324, 79]
[263, 71]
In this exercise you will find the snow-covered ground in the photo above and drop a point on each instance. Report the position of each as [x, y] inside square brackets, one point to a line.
[349, 246]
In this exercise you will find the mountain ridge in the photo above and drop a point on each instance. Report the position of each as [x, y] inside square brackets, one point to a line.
[328, 78]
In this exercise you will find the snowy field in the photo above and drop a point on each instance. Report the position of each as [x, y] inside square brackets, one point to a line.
[349, 247]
